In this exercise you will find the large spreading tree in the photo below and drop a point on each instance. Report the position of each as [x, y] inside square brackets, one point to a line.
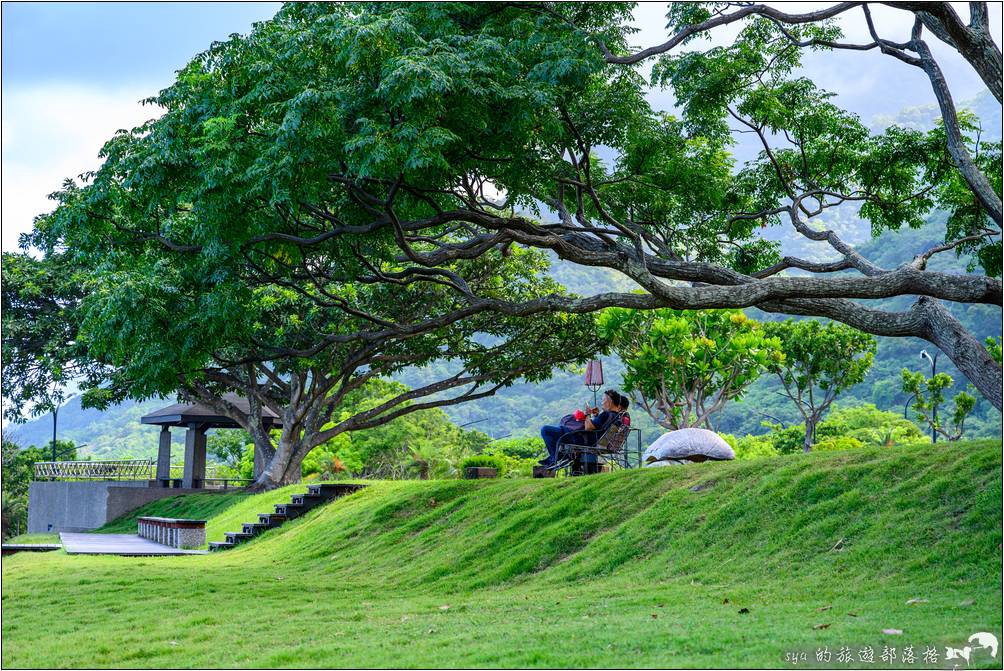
[404, 142]
[157, 323]
[459, 129]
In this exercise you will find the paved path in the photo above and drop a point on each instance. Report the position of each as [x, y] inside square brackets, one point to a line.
[118, 544]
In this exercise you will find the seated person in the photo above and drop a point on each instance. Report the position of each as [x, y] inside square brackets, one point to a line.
[596, 422]
[589, 462]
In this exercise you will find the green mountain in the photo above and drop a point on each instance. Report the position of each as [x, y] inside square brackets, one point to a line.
[115, 433]
[713, 565]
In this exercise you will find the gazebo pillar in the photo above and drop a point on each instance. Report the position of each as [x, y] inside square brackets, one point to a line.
[195, 457]
[164, 457]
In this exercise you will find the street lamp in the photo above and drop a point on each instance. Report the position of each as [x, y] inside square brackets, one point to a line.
[934, 371]
[55, 414]
[594, 377]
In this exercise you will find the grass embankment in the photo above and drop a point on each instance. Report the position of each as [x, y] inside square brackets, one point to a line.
[33, 539]
[707, 565]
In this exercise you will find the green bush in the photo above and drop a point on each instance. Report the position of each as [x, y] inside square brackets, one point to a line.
[865, 424]
[874, 427]
[515, 466]
[788, 440]
[754, 447]
[523, 447]
[484, 461]
[837, 443]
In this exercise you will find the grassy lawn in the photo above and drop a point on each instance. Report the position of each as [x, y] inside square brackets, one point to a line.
[708, 565]
[33, 539]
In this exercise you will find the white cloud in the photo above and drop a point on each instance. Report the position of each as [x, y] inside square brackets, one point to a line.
[51, 132]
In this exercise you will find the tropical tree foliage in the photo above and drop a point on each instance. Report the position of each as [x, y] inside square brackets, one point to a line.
[18, 473]
[819, 363]
[928, 396]
[684, 366]
[41, 355]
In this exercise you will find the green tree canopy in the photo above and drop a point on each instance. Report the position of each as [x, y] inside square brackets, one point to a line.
[928, 395]
[684, 366]
[819, 363]
[353, 165]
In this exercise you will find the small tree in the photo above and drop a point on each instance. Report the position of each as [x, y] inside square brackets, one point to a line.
[928, 394]
[17, 473]
[819, 363]
[227, 446]
[685, 365]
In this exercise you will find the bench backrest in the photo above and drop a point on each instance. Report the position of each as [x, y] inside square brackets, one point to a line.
[616, 435]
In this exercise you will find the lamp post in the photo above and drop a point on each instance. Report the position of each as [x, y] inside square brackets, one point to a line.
[934, 371]
[594, 377]
[55, 414]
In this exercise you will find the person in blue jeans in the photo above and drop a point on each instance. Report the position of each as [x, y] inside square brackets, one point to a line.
[596, 423]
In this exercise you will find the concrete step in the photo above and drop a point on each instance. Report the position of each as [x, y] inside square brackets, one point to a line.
[333, 490]
[237, 537]
[298, 505]
[289, 510]
[307, 500]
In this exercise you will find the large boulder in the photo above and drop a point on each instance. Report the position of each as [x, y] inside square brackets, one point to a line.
[687, 445]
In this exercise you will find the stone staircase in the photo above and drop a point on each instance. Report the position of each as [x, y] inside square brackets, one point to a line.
[298, 505]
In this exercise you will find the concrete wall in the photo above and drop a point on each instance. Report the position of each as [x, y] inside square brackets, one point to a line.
[83, 506]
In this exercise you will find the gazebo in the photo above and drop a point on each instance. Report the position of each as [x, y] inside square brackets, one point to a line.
[197, 419]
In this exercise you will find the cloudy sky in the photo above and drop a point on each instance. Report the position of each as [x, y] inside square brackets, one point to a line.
[74, 73]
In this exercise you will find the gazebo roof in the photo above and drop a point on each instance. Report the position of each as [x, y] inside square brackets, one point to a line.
[184, 414]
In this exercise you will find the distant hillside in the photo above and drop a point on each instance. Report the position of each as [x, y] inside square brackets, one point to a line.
[923, 117]
[115, 433]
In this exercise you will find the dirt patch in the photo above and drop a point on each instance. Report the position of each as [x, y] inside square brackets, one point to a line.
[701, 486]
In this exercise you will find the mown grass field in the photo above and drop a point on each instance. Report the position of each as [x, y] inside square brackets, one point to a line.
[708, 565]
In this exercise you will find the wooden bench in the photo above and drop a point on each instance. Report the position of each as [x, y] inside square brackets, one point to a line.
[176, 533]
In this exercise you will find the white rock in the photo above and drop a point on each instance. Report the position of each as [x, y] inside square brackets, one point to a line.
[685, 444]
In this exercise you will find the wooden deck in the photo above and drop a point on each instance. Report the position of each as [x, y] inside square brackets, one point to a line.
[127, 545]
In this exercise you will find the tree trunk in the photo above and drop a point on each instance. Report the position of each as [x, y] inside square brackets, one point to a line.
[973, 42]
[966, 352]
[284, 466]
[810, 434]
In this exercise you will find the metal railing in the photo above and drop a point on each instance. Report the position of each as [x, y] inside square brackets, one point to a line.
[124, 469]
[178, 471]
[226, 483]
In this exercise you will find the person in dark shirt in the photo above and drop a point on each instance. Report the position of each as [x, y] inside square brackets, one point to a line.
[596, 422]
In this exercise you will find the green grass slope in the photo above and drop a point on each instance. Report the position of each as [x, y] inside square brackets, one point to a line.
[708, 565]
